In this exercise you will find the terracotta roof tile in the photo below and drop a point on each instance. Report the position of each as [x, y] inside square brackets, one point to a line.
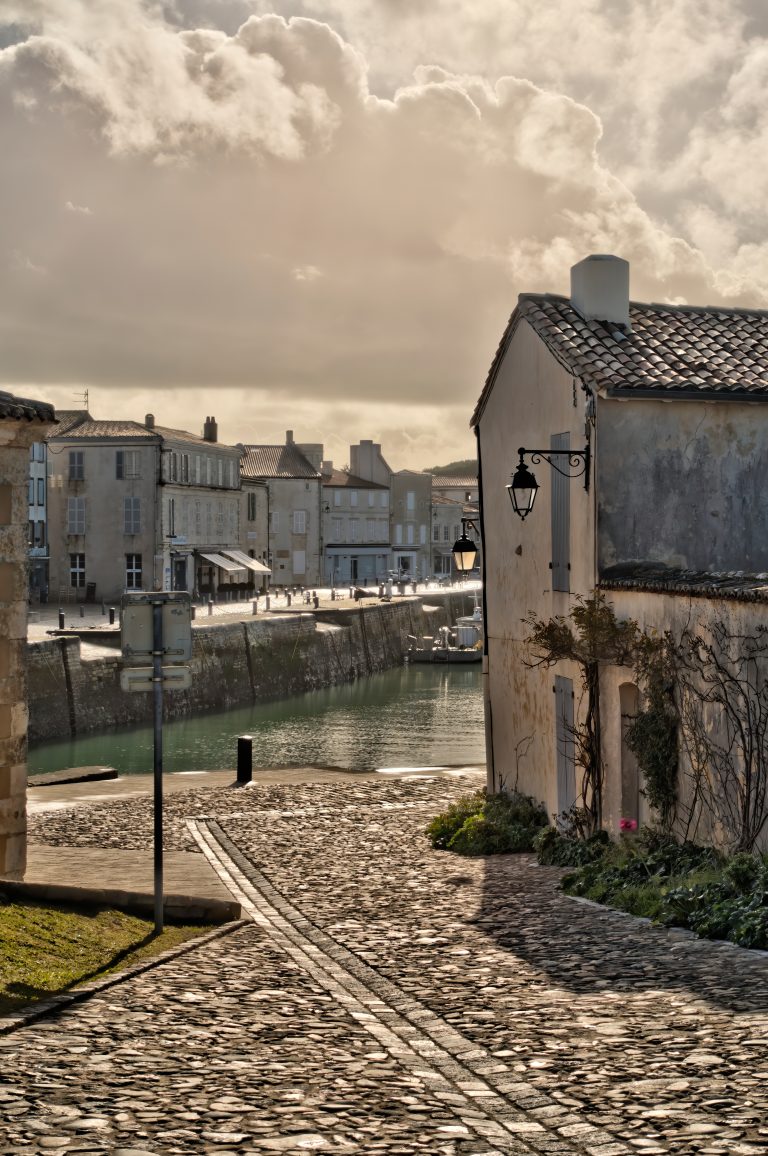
[127, 431]
[669, 348]
[339, 478]
[24, 409]
[276, 462]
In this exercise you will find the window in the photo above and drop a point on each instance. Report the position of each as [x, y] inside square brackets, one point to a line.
[31, 494]
[446, 533]
[77, 570]
[232, 474]
[251, 507]
[172, 516]
[39, 448]
[423, 535]
[185, 468]
[370, 530]
[38, 539]
[173, 467]
[197, 469]
[132, 515]
[220, 466]
[409, 533]
[75, 515]
[398, 534]
[127, 464]
[384, 499]
[354, 529]
[299, 521]
[133, 571]
[207, 471]
[41, 491]
[382, 530]
[371, 497]
[337, 529]
[410, 500]
[76, 466]
[337, 497]
[353, 497]
[436, 533]
[274, 519]
[31, 533]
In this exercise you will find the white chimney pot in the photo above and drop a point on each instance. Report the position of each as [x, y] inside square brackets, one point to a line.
[600, 289]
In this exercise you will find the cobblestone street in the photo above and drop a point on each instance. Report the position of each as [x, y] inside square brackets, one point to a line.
[389, 998]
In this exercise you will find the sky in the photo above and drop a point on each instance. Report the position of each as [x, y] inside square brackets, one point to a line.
[317, 214]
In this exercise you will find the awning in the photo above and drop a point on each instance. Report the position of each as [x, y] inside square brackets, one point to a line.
[223, 563]
[251, 563]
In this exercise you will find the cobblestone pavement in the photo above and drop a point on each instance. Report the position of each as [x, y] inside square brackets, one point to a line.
[392, 999]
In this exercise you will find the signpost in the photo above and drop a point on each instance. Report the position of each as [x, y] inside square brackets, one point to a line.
[156, 626]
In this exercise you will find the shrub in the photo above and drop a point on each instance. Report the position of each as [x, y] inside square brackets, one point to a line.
[483, 824]
[554, 849]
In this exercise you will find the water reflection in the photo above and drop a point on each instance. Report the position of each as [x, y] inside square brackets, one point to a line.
[411, 716]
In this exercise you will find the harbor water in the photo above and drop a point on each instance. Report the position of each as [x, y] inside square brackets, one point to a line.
[411, 716]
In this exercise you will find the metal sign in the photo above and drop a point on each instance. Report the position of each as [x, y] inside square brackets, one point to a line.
[141, 678]
[136, 626]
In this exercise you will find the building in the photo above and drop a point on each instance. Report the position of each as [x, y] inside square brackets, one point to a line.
[411, 500]
[454, 499]
[137, 506]
[38, 522]
[356, 528]
[664, 410]
[291, 474]
[22, 424]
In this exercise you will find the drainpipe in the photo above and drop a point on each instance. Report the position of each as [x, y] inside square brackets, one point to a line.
[490, 768]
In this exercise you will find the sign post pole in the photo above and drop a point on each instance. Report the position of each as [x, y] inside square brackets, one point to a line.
[157, 690]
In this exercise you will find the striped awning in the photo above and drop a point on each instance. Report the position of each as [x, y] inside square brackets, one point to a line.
[222, 562]
[245, 560]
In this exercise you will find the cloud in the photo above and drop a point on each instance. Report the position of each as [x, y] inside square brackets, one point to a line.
[335, 205]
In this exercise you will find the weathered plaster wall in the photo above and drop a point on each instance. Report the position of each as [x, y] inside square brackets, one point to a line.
[659, 612]
[266, 657]
[682, 484]
[533, 398]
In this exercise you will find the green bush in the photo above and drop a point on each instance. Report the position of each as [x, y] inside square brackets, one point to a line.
[553, 849]
[482, 824]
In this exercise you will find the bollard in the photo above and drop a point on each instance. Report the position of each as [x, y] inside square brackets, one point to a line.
[333, 595]
[267, 602]
[210, 606]
[111, 616]
[61, 619]
[381, 590]
[82, 610]
[315, 601]
[255, 606]
[192, 610]
[103, 609]
[244, 758]
[287, 599]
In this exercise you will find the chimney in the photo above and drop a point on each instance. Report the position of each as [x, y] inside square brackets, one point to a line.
[149, 421]
[210, 430]
[289, 437]
[600, 289]
[326, 468]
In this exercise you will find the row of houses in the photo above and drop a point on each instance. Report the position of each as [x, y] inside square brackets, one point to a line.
[127, 505]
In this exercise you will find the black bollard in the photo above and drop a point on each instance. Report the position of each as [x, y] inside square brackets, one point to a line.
[82, 610]
[61, 619]
[192, 611]
[244, 758]
[111, 616]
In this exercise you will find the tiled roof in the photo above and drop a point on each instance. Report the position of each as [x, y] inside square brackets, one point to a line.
[276, 462]
[182, 435]
[339, 478]
[670, 349]
[126, 431]
[657, 579]
[23, 409]
[67, 418]
[443, 482]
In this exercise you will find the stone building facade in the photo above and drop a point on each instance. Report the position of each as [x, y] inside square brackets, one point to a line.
[22, 423]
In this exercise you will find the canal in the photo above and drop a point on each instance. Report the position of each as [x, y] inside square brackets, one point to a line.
[411, 716]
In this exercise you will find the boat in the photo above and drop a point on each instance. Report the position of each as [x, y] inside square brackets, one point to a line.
[462, 644]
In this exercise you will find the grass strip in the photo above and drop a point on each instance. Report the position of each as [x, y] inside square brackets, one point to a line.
[48, 949]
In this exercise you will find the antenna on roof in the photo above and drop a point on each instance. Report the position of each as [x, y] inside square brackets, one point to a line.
[82, 398]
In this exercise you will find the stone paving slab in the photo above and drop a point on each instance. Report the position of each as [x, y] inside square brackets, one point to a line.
[610, 1035]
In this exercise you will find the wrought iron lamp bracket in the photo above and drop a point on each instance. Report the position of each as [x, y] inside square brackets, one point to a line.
[577, 461]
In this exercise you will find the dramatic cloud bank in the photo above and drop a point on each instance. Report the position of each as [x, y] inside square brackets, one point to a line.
[318, 216]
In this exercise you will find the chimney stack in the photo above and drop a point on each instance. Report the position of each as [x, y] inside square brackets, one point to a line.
[289, 437]
[149, 421]
[210, 430]
[600, 289]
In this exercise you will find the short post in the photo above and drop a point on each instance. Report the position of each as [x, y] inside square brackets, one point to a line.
[244, 758]
[111, 616]
[315, 600]
[287, 599]
[61, 619]
[255, 606]
[192, 612]
[266, 602]
[82, 610]
[103, 609]
[210, 606]
[333, 594]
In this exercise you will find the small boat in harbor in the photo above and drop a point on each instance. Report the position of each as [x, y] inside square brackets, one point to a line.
[462, 644]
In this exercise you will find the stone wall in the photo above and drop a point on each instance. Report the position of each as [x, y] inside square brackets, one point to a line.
[233, 663]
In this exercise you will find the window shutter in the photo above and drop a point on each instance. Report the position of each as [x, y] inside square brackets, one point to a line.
[566, 768]
[561, 517]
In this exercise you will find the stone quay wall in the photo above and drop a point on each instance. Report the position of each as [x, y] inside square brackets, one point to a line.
[233, 663]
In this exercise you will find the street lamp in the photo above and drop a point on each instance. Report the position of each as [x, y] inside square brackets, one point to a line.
[523, 486]
[464, 549]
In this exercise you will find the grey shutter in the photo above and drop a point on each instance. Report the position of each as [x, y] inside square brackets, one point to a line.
[561, 516]
[566, 769]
